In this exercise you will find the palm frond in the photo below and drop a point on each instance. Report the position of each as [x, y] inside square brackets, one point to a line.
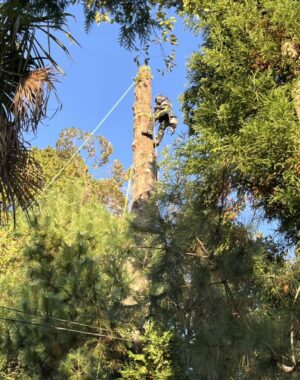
[20, 177]
[26, 81]
[31, 98]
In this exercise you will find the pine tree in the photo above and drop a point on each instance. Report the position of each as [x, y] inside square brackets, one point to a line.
[71, 265]
[74, 263]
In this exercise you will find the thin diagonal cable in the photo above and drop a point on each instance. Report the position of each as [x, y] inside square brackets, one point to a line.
[127, 197]
[58, 319]
[64, 329]
[90, 136]
[54, 318]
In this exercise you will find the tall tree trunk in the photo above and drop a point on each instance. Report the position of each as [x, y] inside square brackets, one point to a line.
[144, 175]
[296, 97]
[144, 166]
[290, 50]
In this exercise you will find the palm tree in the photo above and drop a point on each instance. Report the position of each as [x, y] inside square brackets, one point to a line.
[27, 76]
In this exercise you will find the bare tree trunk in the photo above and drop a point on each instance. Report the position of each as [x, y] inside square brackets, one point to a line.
[144, 166]
[144, 175]
[296, 97]
[290, 50]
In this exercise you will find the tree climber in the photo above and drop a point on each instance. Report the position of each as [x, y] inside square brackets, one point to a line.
[163, 113]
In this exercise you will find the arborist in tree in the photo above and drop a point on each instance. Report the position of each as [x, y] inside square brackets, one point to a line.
[163, 114]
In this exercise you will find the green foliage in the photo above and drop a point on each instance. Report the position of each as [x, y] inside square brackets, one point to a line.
[87, 362]
[74, 262]
[154, 360]
[72, 265]
[222, 300]
[228, 295]
[240, 105]
[96, 153]
[232, 295]
[26, 82]
[142, 24]
[134, 17]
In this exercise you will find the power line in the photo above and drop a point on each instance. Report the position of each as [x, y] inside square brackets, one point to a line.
[59, 328]
[142, 247]
[53, 318]
[63, 320]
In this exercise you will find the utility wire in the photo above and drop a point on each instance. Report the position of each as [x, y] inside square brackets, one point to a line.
[142, 247]
[62, 320]
[64, 329]
[90, 136]
[54, 318]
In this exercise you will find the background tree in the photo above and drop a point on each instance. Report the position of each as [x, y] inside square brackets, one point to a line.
[95, 154]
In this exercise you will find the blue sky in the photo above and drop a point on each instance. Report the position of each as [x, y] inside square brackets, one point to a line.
[99, 73]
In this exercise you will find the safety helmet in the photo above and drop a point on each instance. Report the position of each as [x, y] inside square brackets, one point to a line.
[160, 99]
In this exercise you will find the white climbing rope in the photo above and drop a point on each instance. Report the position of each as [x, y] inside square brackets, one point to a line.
[90, 136]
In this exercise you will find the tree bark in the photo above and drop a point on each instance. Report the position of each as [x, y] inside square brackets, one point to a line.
[296, 97]
[290, 50]
[144, 165]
